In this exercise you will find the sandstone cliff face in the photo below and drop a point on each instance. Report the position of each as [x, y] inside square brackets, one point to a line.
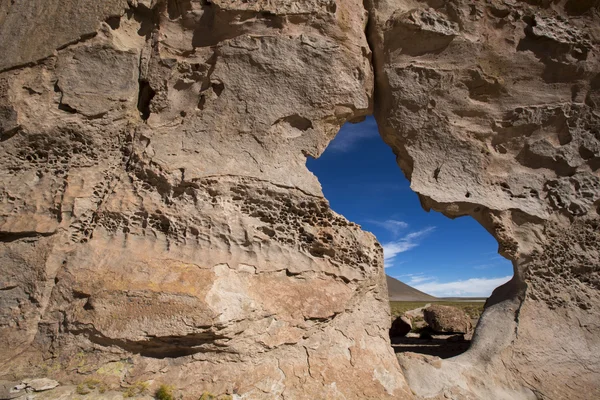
[492, 109]
[157, 220]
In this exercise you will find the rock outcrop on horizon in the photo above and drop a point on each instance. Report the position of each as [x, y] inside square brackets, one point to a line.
[158, 223]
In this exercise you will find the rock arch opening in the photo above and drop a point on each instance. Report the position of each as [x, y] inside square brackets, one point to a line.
[440, 271]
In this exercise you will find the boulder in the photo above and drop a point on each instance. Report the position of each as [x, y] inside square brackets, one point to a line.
[41, 384]
[11, 390]
[447, 319]
[400, 327]
[416, 313]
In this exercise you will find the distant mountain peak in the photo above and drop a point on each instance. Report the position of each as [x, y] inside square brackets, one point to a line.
[400, 291]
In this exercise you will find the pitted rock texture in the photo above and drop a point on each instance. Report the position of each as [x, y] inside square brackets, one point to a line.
[492, 109]
[158, 223]
[157, 220]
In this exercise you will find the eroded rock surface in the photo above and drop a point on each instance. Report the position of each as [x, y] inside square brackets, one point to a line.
[157, 220]
[158, 223]
[492, 110]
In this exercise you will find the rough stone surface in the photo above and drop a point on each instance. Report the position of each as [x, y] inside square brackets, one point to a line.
[158, 223]
[157, 220]
[33, 30]
[41, 384]
[400, 326]
[493, 111]
[11, 390]
[447, 319]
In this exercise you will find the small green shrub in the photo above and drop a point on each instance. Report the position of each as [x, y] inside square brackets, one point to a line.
[82, 389]
[138, 388]
[92, 383]
[164, 392]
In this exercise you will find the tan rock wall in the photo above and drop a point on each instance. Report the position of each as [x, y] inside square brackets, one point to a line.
[491, 108]
[157, 218]
[158, 223]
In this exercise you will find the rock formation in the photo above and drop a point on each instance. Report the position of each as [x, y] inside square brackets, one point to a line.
[493, 111]
[447, 319]
[158, 223]
[400, 326]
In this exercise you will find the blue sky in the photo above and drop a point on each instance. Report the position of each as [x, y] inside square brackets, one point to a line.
[440, 256]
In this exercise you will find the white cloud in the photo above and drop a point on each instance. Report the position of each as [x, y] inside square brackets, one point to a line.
[414, 280]
[473, 287]
[351, 134]
[391, 225]
[410, 241]
[409, 276]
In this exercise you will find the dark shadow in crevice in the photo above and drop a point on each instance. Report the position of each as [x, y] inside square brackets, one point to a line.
[177, 8]
[580, 7]
[157, 347]
[444, 347]
[296, 121]
[6, 237]
[145, 96]
[114, 22]
[148, 18]
[67, 108]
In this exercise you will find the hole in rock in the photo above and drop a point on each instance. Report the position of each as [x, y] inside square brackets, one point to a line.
[430, 260]
[145, 96]
[114, 22]
[67, 108]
